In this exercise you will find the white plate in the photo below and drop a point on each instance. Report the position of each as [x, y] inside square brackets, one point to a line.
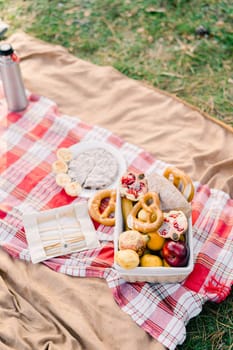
[88, 145]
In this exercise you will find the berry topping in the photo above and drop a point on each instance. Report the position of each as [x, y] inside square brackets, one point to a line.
[128, 180]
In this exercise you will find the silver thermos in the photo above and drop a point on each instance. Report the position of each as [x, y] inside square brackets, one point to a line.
[11, 79]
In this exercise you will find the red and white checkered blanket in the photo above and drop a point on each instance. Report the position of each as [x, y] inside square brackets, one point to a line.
[29, 141]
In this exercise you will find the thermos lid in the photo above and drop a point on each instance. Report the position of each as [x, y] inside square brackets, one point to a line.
[6, 50]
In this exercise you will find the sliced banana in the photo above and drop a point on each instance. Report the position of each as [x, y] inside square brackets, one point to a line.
[73, 189]
[62, 179]
[59, 166]
[64, 154]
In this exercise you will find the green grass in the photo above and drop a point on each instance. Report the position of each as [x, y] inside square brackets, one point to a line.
[147, 40]
[212, 329]
[154, 41]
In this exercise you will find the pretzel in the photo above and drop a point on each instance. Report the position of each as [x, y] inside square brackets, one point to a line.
[180, 180]
[103, 216]
[153, 215]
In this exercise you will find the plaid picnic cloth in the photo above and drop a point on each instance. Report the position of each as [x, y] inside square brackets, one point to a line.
[29, 141]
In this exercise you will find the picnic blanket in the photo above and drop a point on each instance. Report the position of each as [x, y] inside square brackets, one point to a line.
[29, 141]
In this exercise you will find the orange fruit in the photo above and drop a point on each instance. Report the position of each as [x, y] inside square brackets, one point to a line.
[155, 242]
[149, 260]
[165, 263]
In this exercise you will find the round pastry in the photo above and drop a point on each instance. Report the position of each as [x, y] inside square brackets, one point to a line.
[153, 217]
[174, 225]
[181, 180]
[64, 154]
[103, 216]
[62, 179]
[59, 166]
[127, 259]
[73, 189]
[133, 186]
[133, 240]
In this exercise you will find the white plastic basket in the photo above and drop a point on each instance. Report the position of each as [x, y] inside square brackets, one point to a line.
[151, 274]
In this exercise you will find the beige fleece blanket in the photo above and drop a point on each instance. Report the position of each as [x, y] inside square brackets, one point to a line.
[45, 310]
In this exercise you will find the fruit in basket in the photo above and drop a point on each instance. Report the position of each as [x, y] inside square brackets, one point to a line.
[127, 258]
[165, 264]
[133, 185]
[127, 206]
[155, 241]
[150, 260]
[174, 225]
[176, 254]
[134, 240]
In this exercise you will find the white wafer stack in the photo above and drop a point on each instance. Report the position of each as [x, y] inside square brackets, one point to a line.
[59, 231]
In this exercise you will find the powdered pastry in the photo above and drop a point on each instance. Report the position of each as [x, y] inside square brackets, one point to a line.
[94, 169]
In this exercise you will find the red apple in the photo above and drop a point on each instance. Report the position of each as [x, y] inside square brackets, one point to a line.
[175, 253]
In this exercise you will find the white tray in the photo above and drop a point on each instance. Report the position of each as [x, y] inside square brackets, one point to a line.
[59, 231]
